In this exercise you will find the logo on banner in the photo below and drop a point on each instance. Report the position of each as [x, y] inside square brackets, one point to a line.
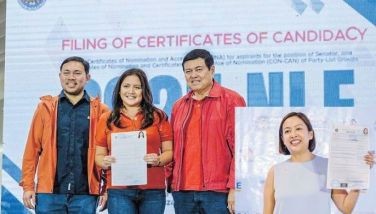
[31, 4]
[300, 6]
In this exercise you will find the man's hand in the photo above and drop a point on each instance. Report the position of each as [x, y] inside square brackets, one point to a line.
[231, 201]
[107, 161]
[102, 203]
[29, 199]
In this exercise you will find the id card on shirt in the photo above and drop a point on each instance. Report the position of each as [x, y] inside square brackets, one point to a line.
[346, 167]
[129, 149]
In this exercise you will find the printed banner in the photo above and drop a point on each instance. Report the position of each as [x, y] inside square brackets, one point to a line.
[312, 54]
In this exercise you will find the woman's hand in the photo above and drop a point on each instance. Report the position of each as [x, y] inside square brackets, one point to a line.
[152, 159]
[107, 161]
[370, 158]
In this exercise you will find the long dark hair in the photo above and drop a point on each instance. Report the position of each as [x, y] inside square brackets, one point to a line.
[147, 106]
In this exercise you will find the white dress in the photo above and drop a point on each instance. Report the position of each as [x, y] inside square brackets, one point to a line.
[301, 187]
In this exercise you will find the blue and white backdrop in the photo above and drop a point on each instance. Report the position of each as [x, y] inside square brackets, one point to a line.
[315, 56]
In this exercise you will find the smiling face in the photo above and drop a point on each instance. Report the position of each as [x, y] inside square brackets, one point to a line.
[296, 136]
[73, 78]
[131, 91]
[198, 76]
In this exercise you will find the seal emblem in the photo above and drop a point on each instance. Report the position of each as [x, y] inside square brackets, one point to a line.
[31, 4]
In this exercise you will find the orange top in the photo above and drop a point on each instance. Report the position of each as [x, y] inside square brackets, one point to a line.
[158, 132]
[192, 166]
[40, 151]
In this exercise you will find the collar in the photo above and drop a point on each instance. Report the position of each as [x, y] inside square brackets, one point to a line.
[63, 96]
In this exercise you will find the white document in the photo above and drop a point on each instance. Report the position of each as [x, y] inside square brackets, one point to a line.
[347, 168]
[129, 149]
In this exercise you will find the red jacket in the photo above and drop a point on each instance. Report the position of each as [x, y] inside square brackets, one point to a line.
[40, 154]
[217, 137]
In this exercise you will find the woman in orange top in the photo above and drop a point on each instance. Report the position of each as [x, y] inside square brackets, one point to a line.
[133, 111]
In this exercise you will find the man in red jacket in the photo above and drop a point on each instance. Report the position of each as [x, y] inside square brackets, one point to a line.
[203, 122]
[60, 150]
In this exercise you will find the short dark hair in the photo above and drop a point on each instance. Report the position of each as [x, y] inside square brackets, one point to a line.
[312, 143]
[77, 59]
[199, 53]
